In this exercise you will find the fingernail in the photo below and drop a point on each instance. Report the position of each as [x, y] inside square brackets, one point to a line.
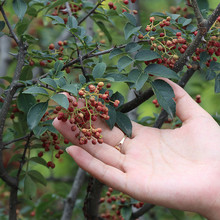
[68, 150]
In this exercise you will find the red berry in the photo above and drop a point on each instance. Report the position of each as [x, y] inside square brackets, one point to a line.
[51, 46]
[42, 63]
[60, 43]
[40, 154]
[126, 2]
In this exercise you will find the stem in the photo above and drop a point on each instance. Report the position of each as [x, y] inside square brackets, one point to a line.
[197, 11]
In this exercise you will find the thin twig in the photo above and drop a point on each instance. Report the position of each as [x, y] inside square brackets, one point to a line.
[16, 140]
[91, 12]
[9, 25]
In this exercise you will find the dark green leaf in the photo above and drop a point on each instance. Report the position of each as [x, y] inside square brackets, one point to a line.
[159, 14]
[126, 212]
[56, 3]
[105, 30]
[37, 177]
[2, 25]
[15, 157]
[124, 62]
[138, 77]
[165, 96]
[130, 29]
[215, 66]
[26, 73]
[117, 77]
[36, 90]
[118, 96]
[115, 52]
[132, 47]
[82, 79]
[210, 74]
[25, 102]
[29, 187]
[161, 70]
[35, 114]
[61, 99]
[20, 7]
[124, 123]
[39, 160]
[184, 21]
[39, 130]
[49, 81]
[22, 26]
[72, 22]
[131, 18]
[146, 55]
[203, 4]
[179, 215]
[204, 56]
[217, 84]
[72, 88]
[99, 70]
[58, 66]
[112, 115]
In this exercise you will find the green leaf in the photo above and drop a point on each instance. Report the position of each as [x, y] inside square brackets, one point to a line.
[72, 88]
[124, 62]
[56, 19]
[112, 115]
[138, 77]
[130, 29]
[179, 215]
[217, 84]
[29, 187]
[203, 4]
[132, 47]
[115, 52]
[25, 102]
[215, 66]
[37, 177]
[26, 73]
[39, 160]
[118, 96]
[22, 26]
[36, 113]
[39, 130]
[204, 56]
[165, 96]
[72, 22]
[105, 30]
[49, 81]
[184, 21]
[82, 79]
[61, 99]
[20, 7]
[131, 18]
[161, 70]
[56, 3]
[2, 25]
[58, 66]
[210, 74]
[99, 70]
[146, 55]
[36, 90]
[124, 123]
[126, 212]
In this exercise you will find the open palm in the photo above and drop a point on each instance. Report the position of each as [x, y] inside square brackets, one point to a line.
[176, 168]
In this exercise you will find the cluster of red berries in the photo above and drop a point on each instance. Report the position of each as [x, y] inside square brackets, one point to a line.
[13, 111]
[156, 104]
[123, 6]
[116, 203]
[82, 113]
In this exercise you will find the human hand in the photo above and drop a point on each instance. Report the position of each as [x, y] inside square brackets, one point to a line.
[177, 168]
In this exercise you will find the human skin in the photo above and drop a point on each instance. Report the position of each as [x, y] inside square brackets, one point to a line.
[176, 168]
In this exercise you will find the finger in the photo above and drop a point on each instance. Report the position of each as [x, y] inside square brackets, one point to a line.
[186, 107]
[109, 175]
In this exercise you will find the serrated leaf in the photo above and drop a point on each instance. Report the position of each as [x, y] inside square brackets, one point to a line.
[123, 62]
[104, 30]
[29, 187]
[25, 102]
[99, 70]
[61, 99]
[131, 18]
[49, 81]
[146, 55]
[217, 84]
[165, 96]
[72, 22]
[138, 77]
[132, 47]
[36, 90]
[2, 25]
[39, 160]
[161, 70]
[115, 52]
[124, 123]
[72, 88]
[130, 29]
[20, 8]
[112, 115]
[35, 114]
[37, 177]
